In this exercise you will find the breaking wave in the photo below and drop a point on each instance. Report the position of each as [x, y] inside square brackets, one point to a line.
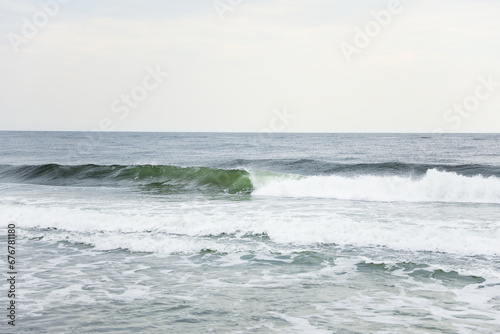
[433, 186]
[398, 182]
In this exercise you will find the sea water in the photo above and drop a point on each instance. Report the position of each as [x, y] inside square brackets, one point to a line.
[252, 233]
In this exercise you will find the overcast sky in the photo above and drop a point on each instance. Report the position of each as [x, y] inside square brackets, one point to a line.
[242, 65]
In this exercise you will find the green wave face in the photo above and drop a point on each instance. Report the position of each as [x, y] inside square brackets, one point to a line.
[189, 178]
[149, 177]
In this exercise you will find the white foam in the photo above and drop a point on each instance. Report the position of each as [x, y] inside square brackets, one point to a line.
[298, 324]
[179, 231]
[434, 186]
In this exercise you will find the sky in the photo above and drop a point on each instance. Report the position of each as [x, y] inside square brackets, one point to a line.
[242, 65]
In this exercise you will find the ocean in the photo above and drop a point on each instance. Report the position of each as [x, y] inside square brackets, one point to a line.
[251, 233]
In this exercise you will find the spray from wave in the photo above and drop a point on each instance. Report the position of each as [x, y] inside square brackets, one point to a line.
[434, 186]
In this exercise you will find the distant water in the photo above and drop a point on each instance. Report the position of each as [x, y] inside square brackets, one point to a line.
[253, 233]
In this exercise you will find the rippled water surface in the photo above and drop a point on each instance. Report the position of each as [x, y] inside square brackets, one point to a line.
[246, 233]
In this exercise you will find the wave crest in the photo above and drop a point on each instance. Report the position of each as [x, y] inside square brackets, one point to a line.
[433, 186]
[163, 178]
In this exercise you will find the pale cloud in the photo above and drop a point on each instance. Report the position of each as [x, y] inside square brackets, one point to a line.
[228, 75]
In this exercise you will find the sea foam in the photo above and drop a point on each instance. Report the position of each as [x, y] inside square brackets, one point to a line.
[434, 186]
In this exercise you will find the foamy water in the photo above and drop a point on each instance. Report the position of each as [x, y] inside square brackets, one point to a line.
[434, 186]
